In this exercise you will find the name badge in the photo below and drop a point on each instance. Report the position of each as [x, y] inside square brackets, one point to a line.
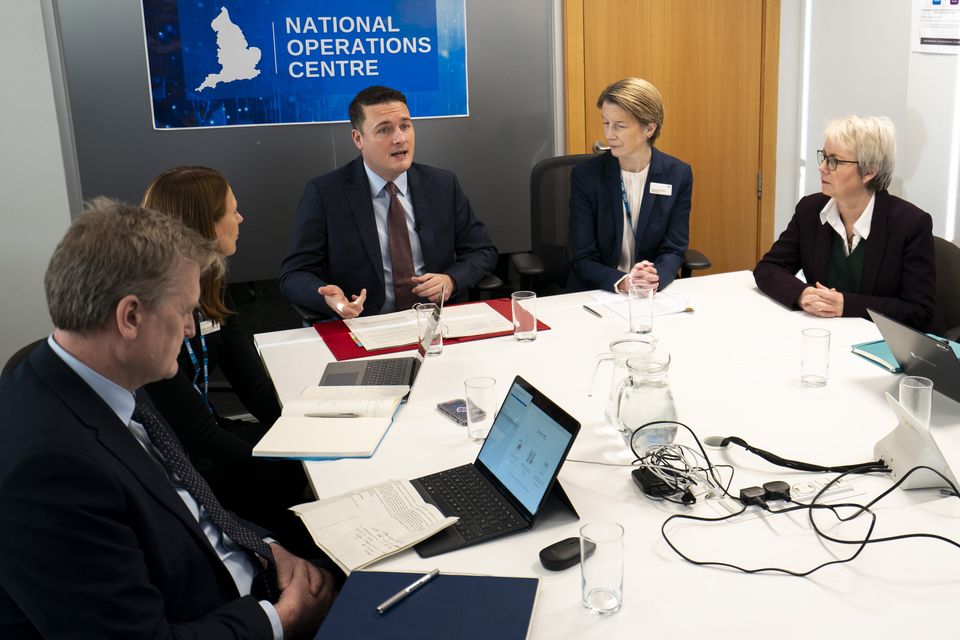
[208, 326]
[660, 189]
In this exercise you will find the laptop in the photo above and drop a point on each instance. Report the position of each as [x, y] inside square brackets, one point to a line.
[921, 355]
[504, 489]
[382, 371]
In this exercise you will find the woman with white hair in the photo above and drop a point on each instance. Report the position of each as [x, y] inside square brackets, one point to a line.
[858, 246]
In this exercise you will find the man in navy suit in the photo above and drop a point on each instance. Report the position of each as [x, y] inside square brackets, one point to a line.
[343, 259]
[630, 206]
[103, 530]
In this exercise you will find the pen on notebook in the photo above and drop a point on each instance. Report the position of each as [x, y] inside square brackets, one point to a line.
[591, 311]
[321, 414]
[406, 591]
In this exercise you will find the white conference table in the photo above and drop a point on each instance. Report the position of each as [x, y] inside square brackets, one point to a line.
[735, 371]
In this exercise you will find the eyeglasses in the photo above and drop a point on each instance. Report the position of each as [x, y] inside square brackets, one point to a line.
[832, 161]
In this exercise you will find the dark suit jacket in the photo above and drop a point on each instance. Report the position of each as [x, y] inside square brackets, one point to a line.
[596, 221]
[899, 269]
[257, 489]
[95, 541]
[334, 237]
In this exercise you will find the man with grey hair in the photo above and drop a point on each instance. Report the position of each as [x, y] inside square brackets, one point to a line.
[107, 529]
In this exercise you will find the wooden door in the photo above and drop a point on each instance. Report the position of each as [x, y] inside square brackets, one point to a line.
[715, 63]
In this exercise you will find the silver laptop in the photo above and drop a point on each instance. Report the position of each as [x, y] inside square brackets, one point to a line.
[920, 354]
[383, 371]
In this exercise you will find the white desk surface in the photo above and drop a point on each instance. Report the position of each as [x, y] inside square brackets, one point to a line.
[735, 371]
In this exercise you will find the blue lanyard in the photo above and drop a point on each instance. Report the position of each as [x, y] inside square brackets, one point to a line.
[626, 208]
[197, 368]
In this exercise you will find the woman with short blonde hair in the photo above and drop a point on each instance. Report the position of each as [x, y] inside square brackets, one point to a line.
[629, 206]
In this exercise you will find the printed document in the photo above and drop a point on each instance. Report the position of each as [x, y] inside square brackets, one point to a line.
[358, 528]
[400, 328]
[664, 303]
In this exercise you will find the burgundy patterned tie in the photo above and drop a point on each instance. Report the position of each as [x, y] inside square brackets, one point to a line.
[177, 464]
[401, 256]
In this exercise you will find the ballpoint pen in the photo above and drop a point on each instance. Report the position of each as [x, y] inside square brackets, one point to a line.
[406, 591]
[589, 310]
[322, 414]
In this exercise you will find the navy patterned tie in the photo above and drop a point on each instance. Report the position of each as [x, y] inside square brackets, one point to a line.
[177, 464]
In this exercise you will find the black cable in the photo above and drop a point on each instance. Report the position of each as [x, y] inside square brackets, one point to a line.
[865, 467]
[879, 497]
[814, 506]
[711, 468]
[832, 508]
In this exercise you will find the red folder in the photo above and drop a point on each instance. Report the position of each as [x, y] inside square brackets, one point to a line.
[336, 335]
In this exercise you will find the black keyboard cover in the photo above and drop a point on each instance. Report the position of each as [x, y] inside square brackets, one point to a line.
[463, 492]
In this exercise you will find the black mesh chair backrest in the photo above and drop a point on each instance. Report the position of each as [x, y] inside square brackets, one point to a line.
[550, 216]
[948, 281]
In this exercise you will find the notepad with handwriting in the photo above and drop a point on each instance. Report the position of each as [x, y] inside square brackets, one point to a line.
[465, 607]
[332, 422]
[366, 525]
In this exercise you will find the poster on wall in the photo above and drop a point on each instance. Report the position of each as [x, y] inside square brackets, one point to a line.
[935, 26]
[234, 63]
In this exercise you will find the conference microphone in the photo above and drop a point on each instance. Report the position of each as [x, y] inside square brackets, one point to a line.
[720, 442]
[715, 441]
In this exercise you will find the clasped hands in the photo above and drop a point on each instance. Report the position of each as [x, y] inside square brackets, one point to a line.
[306, 593]
[428, 286]
[644, 274]
[821, 301]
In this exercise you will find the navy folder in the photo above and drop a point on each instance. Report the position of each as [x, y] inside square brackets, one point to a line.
[449, 606]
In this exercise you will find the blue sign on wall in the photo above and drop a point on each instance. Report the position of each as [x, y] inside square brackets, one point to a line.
[228, 63]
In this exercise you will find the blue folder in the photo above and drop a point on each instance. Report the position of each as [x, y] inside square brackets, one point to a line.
[449, 606]
[878, 352]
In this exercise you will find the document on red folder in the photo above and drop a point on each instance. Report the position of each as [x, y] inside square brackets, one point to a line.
[336, 335]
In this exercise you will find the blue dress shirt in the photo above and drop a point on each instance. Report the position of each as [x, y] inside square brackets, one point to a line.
[122, 402]
[381, 207]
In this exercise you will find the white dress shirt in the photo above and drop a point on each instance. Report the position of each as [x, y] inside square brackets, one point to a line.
[830, 214]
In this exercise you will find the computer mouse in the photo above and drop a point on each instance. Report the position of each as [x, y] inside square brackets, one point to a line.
[564, 554]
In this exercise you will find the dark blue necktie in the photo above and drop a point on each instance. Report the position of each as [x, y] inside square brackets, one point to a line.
[177, 464]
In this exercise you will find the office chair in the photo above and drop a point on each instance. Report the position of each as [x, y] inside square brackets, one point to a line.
[948, 283]
[484, 290]
[546, 267]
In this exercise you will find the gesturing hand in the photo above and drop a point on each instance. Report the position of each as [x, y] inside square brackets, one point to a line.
[429, 286]
[337, 300]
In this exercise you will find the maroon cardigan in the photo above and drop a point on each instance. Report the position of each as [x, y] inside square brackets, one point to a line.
[899, 269]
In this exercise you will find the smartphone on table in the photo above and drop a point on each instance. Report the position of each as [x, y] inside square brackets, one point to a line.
[455, 409]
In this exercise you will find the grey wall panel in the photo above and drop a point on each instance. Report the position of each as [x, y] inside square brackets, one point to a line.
[510, 128]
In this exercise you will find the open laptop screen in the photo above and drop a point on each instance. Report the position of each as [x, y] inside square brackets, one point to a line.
[525, 447]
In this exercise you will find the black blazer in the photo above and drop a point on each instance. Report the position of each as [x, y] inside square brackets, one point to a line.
[95, 540]
[233, 351]
[596, 220]
[335, 237]
[899, 269]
